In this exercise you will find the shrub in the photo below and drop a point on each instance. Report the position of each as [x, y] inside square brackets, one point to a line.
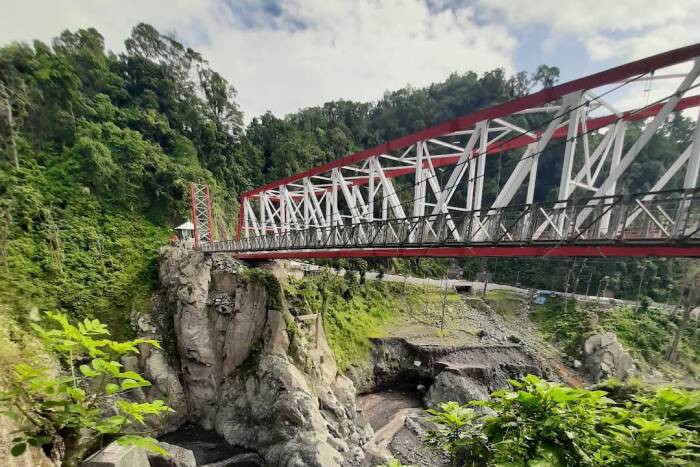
[69, 414]
[395, 463]
[546, 424]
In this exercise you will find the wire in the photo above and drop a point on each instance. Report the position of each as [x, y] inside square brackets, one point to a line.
[525, 132]
[512, 138]
[549, 146]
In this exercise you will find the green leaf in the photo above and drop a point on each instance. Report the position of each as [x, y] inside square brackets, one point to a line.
[39, 441]
[87, 371]
[111, 425]
[18, 449]
[144, 442]
[130, 375]
[77, 394]
[112, 389]
[131, 384]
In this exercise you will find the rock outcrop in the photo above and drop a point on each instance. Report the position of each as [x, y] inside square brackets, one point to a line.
[244, 367]
[177, 457]
[605, 357]
[452, 373]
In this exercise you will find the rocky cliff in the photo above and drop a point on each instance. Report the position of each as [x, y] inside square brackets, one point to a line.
[236, 361]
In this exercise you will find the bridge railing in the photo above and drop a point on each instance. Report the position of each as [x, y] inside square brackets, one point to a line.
[655, 217]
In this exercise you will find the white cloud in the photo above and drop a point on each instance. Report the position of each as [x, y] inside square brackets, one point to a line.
[353, 50]
[622, 29]
[306, 52]
[25, 20]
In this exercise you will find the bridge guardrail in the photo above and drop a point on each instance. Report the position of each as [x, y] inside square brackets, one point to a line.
[655, 217]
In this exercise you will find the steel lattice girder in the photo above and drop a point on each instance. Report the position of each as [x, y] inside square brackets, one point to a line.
[200, 205]
[581, 127]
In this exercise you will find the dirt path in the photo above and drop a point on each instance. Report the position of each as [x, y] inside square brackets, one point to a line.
[378, 445]
[386, 412]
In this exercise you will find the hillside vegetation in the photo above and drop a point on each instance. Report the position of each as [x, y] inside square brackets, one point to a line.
[646, 332]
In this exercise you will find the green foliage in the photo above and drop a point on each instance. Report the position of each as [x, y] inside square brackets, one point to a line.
[567, 326]
[249, 366]
[269, 282]
[545, 424]
[646, 332]
[457, 433]
[106, 145]
[504, 302]
[395, 463]
[77, 409]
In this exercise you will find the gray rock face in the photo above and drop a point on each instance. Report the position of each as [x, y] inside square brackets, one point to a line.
[177, 457]
[239, 460]
[605, 357]
[242, 373]
[459, 373]
[158, 369]
[115, 455]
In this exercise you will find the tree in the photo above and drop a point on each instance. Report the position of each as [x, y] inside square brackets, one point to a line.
[69, 414]
[546, 76]
[220, 96]
[691, 299]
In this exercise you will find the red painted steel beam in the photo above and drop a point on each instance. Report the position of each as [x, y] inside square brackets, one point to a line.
[239, 223]
[484, 251]
[194, 217]
[613, 75]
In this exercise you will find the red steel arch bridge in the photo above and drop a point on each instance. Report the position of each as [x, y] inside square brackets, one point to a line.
[423, 194]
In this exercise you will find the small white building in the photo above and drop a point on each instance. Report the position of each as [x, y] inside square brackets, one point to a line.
[185, 231]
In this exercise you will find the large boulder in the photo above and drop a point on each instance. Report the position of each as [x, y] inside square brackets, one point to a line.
[116, 455]
[451, 386]
[605, 357]
[248, 459]
[177, 457]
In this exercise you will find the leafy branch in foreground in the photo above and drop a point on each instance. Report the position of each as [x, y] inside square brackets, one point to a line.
[69, 414]
[546, 424]
[395, 463]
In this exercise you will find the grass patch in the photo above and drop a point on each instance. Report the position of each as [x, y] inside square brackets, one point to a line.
[352, 312]
[566, 326]
[504, 302]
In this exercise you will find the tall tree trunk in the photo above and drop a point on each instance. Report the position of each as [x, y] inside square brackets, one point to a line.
[11, 124]
[682, 326]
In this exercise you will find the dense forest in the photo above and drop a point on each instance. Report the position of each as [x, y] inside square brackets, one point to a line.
[97, 148]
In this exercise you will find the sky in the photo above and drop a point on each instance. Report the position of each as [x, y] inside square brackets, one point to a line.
[283, 55]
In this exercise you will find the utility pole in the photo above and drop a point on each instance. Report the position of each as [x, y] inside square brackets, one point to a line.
[588, 286]
[444, 306]
[639, 289]
[578, 276]
[566, 289]
[670, 287]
